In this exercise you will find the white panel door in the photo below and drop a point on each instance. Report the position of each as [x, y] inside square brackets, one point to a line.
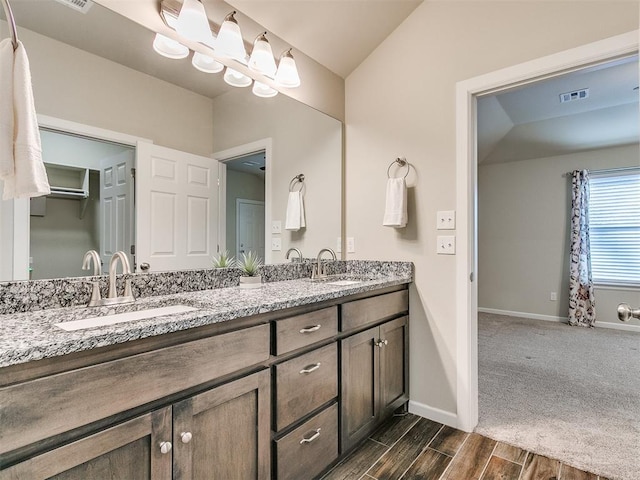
[176, 209]
[116, 202]
[249, 227]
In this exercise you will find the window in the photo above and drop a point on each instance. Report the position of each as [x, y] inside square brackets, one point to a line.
[614, 224]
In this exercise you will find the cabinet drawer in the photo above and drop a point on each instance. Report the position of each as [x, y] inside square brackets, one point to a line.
[370, 310]
[305, 383]
[79, 397]
[310, 448]
[302, 330]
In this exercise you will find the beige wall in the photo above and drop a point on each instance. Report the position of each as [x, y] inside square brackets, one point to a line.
[303, 141]
[523, 233]
[240, 185]
[401, 101]
[74, 85]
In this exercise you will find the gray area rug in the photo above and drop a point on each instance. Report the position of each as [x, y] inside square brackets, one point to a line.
[569, 393]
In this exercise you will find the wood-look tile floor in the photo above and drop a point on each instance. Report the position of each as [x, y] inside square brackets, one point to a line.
[410, 448]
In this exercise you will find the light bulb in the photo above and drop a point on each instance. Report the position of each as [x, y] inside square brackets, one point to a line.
[229, 41]
[236, 79]
[261, 90]
[167, 47]
[287, 74]
[262, 60]
[193, 23]
[205, 63]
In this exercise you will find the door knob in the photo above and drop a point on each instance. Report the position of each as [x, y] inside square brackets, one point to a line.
[165, 447]
[626, 313]
[145, 266]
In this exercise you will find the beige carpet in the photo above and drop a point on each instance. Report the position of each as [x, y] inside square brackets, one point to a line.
[569, 393]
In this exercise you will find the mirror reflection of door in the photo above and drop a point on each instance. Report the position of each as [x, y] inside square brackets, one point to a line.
[90, 208]
[245, 197]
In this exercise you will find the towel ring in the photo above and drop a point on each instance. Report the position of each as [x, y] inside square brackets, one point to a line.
[297, 179]
[11, 21]
[402, 162]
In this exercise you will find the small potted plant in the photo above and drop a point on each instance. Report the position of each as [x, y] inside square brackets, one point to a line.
[224, 260]
[249, 265]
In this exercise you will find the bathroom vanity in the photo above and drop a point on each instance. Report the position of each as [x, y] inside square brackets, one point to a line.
[277, 382]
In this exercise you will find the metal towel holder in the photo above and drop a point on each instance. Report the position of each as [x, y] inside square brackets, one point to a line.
[294, 181]
[11, 21]
[402, 162]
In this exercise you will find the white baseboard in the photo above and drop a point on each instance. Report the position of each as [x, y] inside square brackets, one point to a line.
[432, 413]
[551, 318]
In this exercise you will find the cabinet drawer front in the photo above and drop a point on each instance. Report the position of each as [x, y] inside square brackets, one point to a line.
[302, 330]
[305, 383]
[310, 448]
[79, 397]
[370, 310]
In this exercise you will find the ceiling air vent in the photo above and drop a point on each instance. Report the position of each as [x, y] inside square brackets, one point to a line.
[575, 95]
[79, 5]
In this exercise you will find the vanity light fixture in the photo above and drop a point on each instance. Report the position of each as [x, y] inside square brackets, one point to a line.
[236, 79]
[193, 23]
[287, 74]
[168, 47]
[262, 90]
[206, 63]
[261, 59]
[229, 41]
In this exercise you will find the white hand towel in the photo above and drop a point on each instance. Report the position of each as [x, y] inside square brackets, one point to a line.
[29, 177]
[295, 212]
[395, 211]
[6, 109]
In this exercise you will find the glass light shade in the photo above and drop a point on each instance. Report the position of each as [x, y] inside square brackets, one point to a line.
[167, 47]
[287, 74]
[262, 60]
[205, 63]
[229, 41]
[236, 79]
[261, 90]
[193, 23]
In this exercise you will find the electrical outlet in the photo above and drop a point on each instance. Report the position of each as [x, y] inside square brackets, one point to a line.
[338, 245]
[276, 226]
[446, 220]
[276, 244]
[446, 245]
[351, 245]
[553, 297]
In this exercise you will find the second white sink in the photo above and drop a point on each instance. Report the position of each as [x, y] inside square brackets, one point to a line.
[106, 320]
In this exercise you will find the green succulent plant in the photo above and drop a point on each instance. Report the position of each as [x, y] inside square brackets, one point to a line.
[224, 260]
[250, 263]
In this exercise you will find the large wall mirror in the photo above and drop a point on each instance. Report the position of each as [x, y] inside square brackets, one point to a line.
[96, 69]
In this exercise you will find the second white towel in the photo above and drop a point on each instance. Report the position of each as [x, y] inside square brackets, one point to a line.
[395, 210]
[295, 212]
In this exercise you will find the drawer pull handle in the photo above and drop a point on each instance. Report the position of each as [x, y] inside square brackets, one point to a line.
[315, 435]
[315, 328]
[185, 437]
[310, 368]
[165, 447]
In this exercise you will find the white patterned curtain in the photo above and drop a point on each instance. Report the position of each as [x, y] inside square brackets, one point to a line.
[582, 307]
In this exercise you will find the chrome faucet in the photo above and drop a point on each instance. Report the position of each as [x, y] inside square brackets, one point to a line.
[93, 256]
[293, 249]
[112, 296]
[317, 271]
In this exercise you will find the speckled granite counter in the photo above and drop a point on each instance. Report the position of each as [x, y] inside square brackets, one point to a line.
[32, 336]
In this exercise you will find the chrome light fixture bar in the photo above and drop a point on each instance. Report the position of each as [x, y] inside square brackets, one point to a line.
[190, 21]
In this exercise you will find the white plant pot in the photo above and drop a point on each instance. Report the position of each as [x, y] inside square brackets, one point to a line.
[251, 282]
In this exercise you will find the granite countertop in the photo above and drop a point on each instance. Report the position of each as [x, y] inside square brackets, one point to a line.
[32, 336]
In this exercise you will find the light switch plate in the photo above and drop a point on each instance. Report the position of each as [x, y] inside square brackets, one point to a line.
[446, 220]
[446, 245]
[276, 226]
[351, 245]
[276, 244]
[338, 245]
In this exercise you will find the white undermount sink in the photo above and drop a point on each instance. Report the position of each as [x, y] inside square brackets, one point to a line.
[344, 283]
[106, 320]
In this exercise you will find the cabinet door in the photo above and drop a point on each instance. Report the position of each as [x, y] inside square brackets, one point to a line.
[360, 391]
[131, 450]
[224, 433]
[394, 369]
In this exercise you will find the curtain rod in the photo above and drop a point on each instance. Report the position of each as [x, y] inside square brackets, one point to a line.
[11, 21]
[605, 170]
